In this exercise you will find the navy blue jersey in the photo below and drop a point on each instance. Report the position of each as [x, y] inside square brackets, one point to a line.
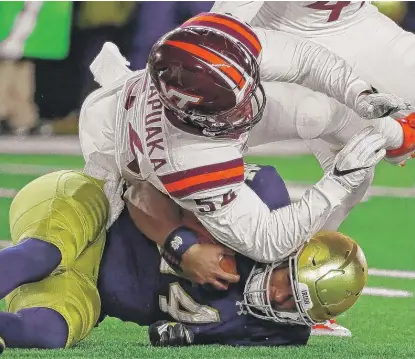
[136, 285]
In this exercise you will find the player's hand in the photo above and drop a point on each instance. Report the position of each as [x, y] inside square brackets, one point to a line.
[169, 334]
[201, 264]
[376, 105]
[358, 157]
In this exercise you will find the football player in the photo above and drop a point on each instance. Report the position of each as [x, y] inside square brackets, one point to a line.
[65, 273]
[321, 126]
[376, 47]
[183, 125]
[379, 50]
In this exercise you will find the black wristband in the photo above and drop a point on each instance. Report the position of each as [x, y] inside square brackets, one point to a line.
[176, 244]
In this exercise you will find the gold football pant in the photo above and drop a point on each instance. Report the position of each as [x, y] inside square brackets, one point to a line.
[69, 210]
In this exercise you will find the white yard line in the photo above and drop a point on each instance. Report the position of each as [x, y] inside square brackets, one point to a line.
[7, 192]
[25, 169]
[392, 273]
[56, 145]
[69, 145]
[386, 292]
[5, 243]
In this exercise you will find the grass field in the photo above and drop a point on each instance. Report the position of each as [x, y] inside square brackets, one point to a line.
[383, 327]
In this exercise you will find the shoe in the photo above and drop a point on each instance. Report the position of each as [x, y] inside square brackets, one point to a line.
[407, 151]
[330, 328]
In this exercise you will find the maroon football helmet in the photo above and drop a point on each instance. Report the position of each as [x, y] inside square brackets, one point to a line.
[206, 73]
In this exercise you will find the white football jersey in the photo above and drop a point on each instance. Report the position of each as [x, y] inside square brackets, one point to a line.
[127, 135]
[303, 18]
[129, 125]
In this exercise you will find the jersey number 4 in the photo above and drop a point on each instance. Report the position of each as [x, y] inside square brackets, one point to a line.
[335, 9]
[184, 309]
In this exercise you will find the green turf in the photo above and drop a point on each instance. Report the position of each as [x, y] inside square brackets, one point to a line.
[48, 160]
[4, 218]
[382, 327]
[15, 181]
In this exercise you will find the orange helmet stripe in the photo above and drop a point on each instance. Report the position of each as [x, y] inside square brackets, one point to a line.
[213, 59]
[229, 22]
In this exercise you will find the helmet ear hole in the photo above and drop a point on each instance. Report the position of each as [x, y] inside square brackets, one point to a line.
[313, 261]
[347, 254]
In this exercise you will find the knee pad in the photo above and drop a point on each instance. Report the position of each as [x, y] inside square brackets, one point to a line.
[66, 208]
[313, 116]
[266, 182]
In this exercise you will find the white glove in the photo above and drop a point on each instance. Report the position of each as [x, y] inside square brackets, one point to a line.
[355, 160]
[376, 105]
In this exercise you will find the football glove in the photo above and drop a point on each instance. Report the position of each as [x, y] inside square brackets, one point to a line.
[358, 157]
[376, 105]
[163, 334]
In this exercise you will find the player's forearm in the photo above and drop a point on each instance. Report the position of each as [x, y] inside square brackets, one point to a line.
[287, 58]
[160, 220]
[290, 227]
[251, 229]
[155, 214]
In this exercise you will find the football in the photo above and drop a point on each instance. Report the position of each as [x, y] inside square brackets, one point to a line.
[227, 262]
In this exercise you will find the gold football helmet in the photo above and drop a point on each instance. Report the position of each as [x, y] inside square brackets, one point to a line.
[327, 276]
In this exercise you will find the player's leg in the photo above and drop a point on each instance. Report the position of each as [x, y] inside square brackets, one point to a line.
[33, 328]
[296, 112]
[61, 216]
[52, 220]
[29, 261]
[58, 311]
[380, 51]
